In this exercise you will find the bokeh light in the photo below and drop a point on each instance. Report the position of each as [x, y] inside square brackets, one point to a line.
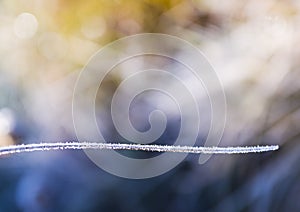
[25, 26]
[254, 48]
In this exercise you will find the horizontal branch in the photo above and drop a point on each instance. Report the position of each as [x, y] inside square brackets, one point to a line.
[137, 147]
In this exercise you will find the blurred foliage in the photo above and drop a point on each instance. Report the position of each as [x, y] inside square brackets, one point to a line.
[254, 48]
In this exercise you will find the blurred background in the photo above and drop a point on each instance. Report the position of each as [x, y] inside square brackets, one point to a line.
[254, 48]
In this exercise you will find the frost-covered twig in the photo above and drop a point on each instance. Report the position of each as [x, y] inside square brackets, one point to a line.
[138, 147]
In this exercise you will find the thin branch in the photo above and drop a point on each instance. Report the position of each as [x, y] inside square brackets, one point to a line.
[137, 147]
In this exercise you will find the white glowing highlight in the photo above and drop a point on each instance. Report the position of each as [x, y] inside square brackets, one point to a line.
[25, 25]
[7, 121]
